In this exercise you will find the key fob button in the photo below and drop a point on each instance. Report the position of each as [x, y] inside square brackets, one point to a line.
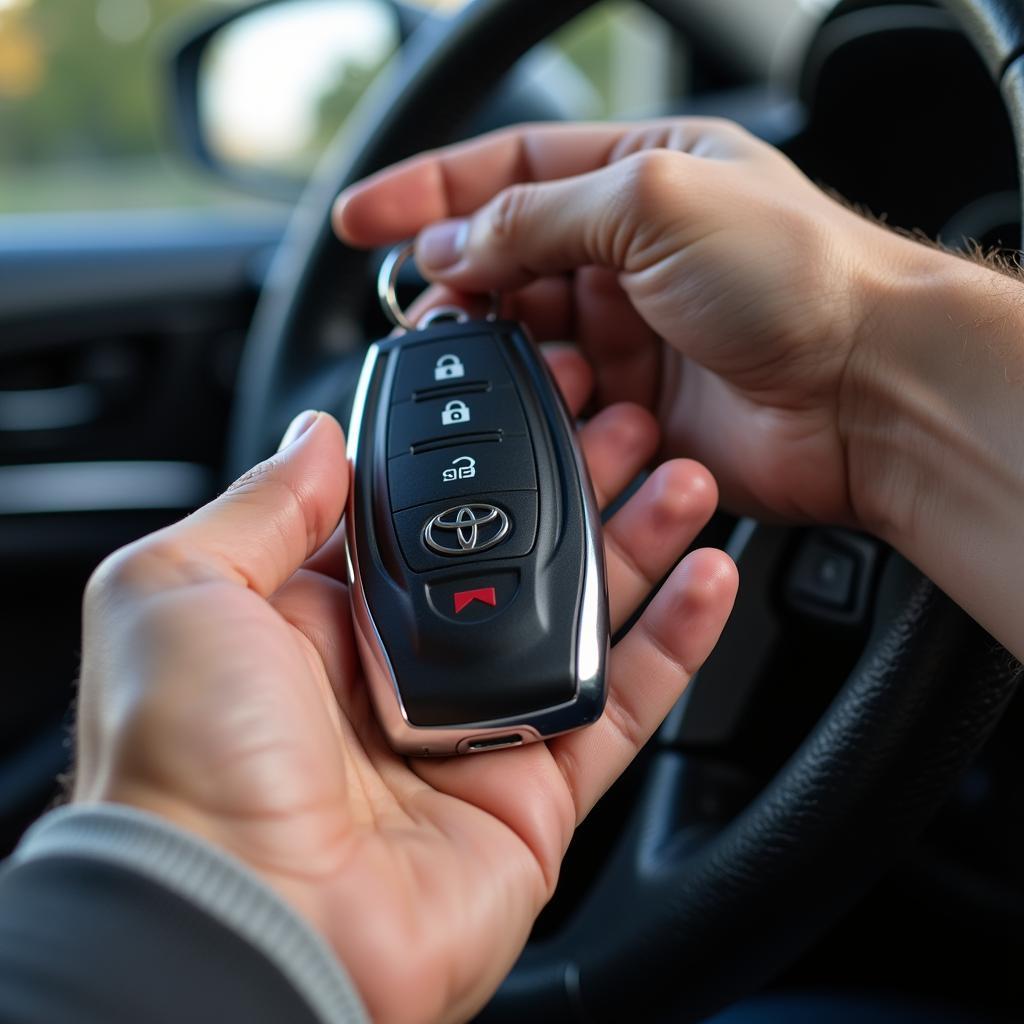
[448, 365]
[461, 469]
[473, 599]
[443, 420]
[446, 534]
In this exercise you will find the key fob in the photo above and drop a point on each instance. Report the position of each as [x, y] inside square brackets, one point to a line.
[474, 545]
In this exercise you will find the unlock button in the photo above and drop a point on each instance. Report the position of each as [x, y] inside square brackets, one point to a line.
[458, 470]
[455, 411]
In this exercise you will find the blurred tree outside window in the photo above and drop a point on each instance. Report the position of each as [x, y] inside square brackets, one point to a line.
[83, 93]
[82, 124]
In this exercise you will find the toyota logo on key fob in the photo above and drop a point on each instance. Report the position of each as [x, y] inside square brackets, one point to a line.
[466, 529]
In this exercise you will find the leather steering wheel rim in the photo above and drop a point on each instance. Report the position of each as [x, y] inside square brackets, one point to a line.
[674, 920]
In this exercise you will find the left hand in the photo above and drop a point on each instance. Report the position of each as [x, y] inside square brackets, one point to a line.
[221, 690]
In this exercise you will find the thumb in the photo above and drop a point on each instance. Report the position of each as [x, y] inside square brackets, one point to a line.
[619, 216]
[259, 531]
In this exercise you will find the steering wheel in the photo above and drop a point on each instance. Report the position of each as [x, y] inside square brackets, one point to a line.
[685, 916]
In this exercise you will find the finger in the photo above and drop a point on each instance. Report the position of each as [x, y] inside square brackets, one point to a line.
[521, 787]
[625, 352]
[398, 201]
[261, 529]
[617, 444]
[648, 535]
[590, 308]
[544, 306]
[628, 217]
[527, 232]
[438, 295]
[572, 373]
[649, 669]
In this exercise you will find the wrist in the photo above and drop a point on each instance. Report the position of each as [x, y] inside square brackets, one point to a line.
[930, 400]
[902, 293]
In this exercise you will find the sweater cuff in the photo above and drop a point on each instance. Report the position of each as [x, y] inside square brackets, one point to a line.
[212, 880]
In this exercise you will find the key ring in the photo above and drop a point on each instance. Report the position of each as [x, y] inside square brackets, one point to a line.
[387, 281]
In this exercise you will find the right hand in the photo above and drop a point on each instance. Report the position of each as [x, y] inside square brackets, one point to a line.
[702, 274]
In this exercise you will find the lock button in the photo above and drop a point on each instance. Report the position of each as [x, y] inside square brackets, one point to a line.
[469, 359]
[448, 367]
[447, 419]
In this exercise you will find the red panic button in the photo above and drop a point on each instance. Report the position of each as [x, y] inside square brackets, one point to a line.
[464, 598]
[467, 600]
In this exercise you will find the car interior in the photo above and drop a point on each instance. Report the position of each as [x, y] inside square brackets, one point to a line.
[830, 824]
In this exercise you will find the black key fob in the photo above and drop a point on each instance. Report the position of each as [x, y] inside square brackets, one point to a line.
[474, 544]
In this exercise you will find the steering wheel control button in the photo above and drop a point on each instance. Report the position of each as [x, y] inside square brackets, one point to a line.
[446, 420]
[830, 575]
[461, 469]
[476, 599]
[448, 366]
[474, 543]
[466, 529]
[486, 526]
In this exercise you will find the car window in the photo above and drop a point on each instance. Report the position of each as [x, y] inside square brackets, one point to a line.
[82, 124]
[82, 96]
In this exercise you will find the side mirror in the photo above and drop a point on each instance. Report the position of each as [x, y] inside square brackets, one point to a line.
[258, 93]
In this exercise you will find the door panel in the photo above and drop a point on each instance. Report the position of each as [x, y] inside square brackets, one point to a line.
[119, 342]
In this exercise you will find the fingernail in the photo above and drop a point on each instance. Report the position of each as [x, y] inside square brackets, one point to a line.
[442, 244]
[298, 427]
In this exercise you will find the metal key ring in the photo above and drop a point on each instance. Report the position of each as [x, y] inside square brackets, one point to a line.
[387, 282]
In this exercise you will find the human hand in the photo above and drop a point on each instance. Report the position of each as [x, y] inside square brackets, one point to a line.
[221, 689]
[701, 273]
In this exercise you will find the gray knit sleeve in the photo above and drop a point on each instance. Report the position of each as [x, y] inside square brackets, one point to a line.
[210, 879]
